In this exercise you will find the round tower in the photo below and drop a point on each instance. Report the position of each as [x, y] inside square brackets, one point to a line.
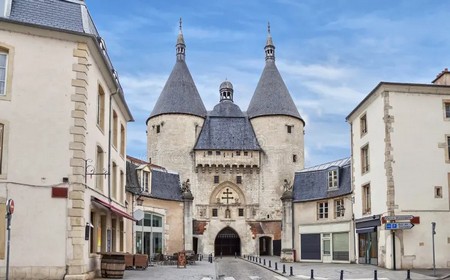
[176, 120]
[279, 129]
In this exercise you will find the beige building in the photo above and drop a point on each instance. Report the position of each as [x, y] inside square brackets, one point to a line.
[235, 161]
[156, 193]
[323, 225]
[400, 137]
[63, 120]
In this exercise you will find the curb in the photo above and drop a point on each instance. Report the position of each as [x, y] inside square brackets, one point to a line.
[266, 267]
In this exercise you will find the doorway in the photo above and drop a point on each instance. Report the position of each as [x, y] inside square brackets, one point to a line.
[265, 246]
[227, 243]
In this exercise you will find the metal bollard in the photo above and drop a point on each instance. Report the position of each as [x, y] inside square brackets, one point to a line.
[408, 275]
[270, 263]
[342, 275]
[264, 262]
[292, 272]
[312, 274]
[284, 269]
[375, 276]
[259, 259]
[276, 266]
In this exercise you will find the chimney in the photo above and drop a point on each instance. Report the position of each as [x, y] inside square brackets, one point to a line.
[442, 78]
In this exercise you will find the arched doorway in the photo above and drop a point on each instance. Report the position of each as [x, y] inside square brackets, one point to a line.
[227, 243]
[265, 246]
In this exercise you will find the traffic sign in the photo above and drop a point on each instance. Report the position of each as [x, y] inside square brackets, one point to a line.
[10, 206]
[399, 217]
[394, 226]
[138, 214]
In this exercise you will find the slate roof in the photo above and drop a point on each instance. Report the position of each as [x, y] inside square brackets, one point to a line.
[179, 95]
[164, 185]
[312, 183]
[59, 14]
[227, 133]
[271, 96]
[226, 108]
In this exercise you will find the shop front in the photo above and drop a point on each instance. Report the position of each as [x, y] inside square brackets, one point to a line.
[367, 231]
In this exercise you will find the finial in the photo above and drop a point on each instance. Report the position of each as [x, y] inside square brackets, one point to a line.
[181, 28]
[268, 27]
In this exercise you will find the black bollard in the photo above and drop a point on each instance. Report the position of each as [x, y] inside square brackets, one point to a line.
[408, 275]
[375, 277]
[270, 263]
[292, 272]
[264, 262]
[312, 274]
[342, 275]
[276, 266]
[284, 269]
[259, 259]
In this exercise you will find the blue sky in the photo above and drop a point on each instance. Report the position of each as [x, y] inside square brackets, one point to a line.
[331, 54]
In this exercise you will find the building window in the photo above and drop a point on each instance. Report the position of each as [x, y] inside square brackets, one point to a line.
[101, 108]
[447, 109]
[216, 179]
[214, 212]
[2, 132]
[227, 214]
[245, 153]
[114, 180]
[322, 210]
[115, 128]
[448, 148]
[241, 212]
[366, 199]
[149, 234]
[145, 179]
[438, 192]
[289, 128]
[158, 128]
[365, 159]
[217, 153]
[294, 158]
[122, 140]
[122, 186]
[333, 178]
[3, 71]
[238, 179]
[339, 208]
[363, 124]
[238, 153]
[209, 153]
[99, 168]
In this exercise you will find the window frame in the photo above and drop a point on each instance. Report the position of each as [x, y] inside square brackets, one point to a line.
[365, 159]
[101, 99]
[238, 179]
[366, 199]
[2, 148]
[214, 212]
[322, 210]
[99, 168]
[145, 180]
[9, 51]
[445, 104]
[115, 129]
[339, 213]
[333, 180]
[289, 128]
[241, 212]
[363, 124]
[216, 179]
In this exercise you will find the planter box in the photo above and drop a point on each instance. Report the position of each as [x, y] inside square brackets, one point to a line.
[141, 261]
[129, 261]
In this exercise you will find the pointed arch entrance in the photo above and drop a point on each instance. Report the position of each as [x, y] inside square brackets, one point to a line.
[227, 243]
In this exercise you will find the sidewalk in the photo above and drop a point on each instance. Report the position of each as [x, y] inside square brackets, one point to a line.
[201, 270]
[350, 271]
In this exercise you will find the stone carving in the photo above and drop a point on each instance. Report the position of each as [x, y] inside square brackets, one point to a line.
[287, 186]
[186, 186]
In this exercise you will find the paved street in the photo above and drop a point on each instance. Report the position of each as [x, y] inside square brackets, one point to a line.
[230, 268]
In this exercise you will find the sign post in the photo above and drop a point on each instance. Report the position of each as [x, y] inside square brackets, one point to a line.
[433, 232]
[9, 212]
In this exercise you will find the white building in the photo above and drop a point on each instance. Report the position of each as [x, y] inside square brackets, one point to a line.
[63, 120]
[400, 137]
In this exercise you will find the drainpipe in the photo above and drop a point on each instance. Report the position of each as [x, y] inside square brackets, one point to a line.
[109, 144]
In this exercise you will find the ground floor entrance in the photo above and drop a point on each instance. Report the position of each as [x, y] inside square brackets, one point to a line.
[227, 243]
[265, 248]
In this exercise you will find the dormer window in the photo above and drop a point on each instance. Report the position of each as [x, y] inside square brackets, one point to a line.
[145, 179]
[333, 179]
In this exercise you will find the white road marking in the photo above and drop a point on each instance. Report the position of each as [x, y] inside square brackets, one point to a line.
[281, 278]
[254, 277]
[309, 277]
[206, 278]
[229, 278]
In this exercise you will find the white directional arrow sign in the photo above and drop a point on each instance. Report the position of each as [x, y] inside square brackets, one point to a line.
[394, 226]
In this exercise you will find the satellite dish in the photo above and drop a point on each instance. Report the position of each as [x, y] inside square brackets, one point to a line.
[138, 214]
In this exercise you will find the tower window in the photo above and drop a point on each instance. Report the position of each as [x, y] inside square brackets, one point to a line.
[289, 128]
[238, 153]
[214, 212]
[294, 158]
[438, 192]
[158, 128]
[217, 153]
[241, 212]
[209, 153]
[238, 179]
[245, 153]
[216, 179]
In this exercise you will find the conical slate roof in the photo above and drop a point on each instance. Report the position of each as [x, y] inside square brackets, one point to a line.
[271, 96]
[179, 95]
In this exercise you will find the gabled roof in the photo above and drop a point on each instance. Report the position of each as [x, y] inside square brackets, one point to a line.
[312, 183]
[164, 185]
[227, 133]
[271, 96]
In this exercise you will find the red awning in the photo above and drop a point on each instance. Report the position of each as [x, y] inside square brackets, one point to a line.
[113, 209]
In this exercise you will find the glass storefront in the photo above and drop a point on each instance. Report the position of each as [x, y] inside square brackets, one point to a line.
[149, 239]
